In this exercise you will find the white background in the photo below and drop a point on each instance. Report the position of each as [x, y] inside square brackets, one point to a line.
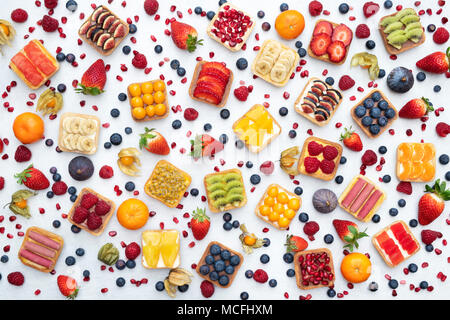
[44, 157]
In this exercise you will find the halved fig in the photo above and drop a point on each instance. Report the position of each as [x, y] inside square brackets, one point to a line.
[337, 94]
[114, 26]
[317, 89]
[320, 115]
[109, 44]
[309, 100]
[101, 40]
[97, 34]
[96, 13]
[314, 96]
[85, 27]
[91, 30]
[326, 105]
[330, 98]
[307, 108]
[120, 31]
[102, 17]
[108, 21]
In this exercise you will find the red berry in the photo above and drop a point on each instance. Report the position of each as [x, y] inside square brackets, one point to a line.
[106, 172]
[207, 288]
[369, 158]
[260, 276]
[362, 31]
[132, 251]
[315, 8]
[190, 114]
[241, 93]
[19, 15]
[49, 24]
[346, 82]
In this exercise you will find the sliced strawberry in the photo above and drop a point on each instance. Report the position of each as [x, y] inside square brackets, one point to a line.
[207, 95]
[336, 51]
[218, 65]
[342, 33]
[320, 43]
[212, 79]
[212, 86]
[323, 27]
[215, 73]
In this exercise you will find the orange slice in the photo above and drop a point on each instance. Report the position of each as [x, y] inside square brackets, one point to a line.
[429, 152]
[418, 153]
[416, 171]
[405, 169]
[429, 171]
[405, 151]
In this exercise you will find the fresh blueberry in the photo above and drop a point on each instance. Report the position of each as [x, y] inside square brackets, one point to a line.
[133, 28]
[227, 226]
[421, 76]
[60, 57]
[366, 121]
[128, 130]
[264, 258]
[120, 282]
[174, 64]
[71, 5]
[225, 255]
[265, 26]
[56, 177]
[86, 274]
[376, 96]
[437, 88]
[4, 259]
[382, 121]
[328, 239]
[383, 105]
[215, 250]
[447, 176]
[79, 252]
[343, 160]
[376, 218]
[130, 264]
[224, 113]
[292, 134]
[204, 270]
[431, 28]
[429, 248]
[207, 127]
[235, 260]
[413, 223]
[412, 267]
[181, 71]
[290, 273]
[288, 257]
[61, 87]
[73, 198]
[48, 142]
[176, 124]
[120, 264]
[443, 159]
[229, 269]
[221, 2]
[370, 44]
[209, 259]
[198, 10]
[375, 112]
[303, 217]
[393, 284]
[194, 192]
[373, 286]
[374, 129]
[393, 212]
[273, 283]
[183, 288]
[235, 224]
[368, 103]
[115, 139]
[255, 179]
[249, 274]
[298, 44]
[56, 224]
[329, 81]
[284, 7]
[298, 191]
[339, 179]
[244, 295]
[302, 52]
[159, 286]
[381, 73]
[360, 111]
[214, 276]
[70, 261]
[388, 4]
[158, 48]
[386, 178]
[126, 49]
[122, 96]
[283, 111]
[266, 242]
[223, 138]
[227, 217]
[239, 144]
[210, 15]
[390, 113]
[261, 14]
[70, 57]
[249, 164]
[50, 194]
[343, 8]
[423, 285]
[75, 229]
[129, 186]
[242, 63]
[331, 293]
[401, 203]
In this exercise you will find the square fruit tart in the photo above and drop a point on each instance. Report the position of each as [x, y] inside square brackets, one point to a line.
[211, 83]
[91, 211]
[275, 63]
[395, 243]
[225, 190]
[416, 162]
[318, 102]
[401, 31]
[330, 42]
[34, 65]
[319, 158]
[78, 133]
[148, 100]
[361, 198]
[257, 128]
[103, 30]
[278, 206]
[374, 113]
[160, 249]
[219, 264]
[314, 269]
[231, 27]
[167, 183]
[40, 249]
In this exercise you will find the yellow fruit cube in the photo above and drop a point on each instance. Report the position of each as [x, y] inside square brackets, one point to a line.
[256, 113]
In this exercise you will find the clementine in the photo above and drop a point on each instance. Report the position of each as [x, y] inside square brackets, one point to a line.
[290, 24]
[356, 267]
[28, 127]
[132, 214]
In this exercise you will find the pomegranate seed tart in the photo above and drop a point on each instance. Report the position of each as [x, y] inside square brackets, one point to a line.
[314, 269]
[416, 162]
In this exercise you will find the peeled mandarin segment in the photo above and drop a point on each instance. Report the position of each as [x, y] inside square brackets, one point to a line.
[405, 169]
[418, 152]
[429, 152]
[169, 247]
[416, 171]
[429, 171]
[405, 151]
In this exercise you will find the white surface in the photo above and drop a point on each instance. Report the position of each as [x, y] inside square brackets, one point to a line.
[44, 157]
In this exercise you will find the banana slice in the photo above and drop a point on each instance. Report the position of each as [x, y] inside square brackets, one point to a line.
[263, 67]
[74, 141]
[272, 49]
[285, 62]
[66, 140]
[289, 55]
[278, 73]
[270, 60]
[87, 127]
[66, 125]
[75, 125]
[85, 144]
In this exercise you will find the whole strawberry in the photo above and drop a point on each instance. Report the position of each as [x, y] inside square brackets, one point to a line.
[295, 243]
[432, 203]
[67, 286]
[348, 232]
[200, 224]
[33, 179]
[132, 251]
[351, 140]
[154, 142]
[436, 62]
[93, 80]
[16, 278]
[415, 108]
[185, 36]
[23, 154]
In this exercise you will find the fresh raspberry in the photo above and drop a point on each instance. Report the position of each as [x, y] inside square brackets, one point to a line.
[49, 24]
[241, 93]
[346, 83]
[2, 183]
[314, 148]
[88, 200]
[327, 166]
[139, 61]
[362, 31]
[102, 208]
[405, 187]
[59, 188]
[330, 152]
[260, 276]
[315, 8]
[23, 154]
[190, 114]
[16, 278]
[310, 228]
[94, 221]
[151, 6]
[132, 251]
[80, 214]
[207, 288]
[19, 16]
[50, 4]
[442, 129]
[369, 158]
[311, 164]
[106, 172]
[441, 35]
[370, 8]
[428, 236]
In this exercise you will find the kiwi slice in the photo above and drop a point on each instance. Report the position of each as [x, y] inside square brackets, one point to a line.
[410, 19]
[405, 12]
[213, 179]
[216, 186]
[237, 190]
[398, 41]
[233, 184]
[221, 202]
[394, 34]
[388, 20]
[393, 26]
[217, 194]
[231, 176]
[413, 25]
[414, 34]
[234, 198]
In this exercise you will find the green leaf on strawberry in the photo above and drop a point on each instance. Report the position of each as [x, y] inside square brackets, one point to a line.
[353, 237]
